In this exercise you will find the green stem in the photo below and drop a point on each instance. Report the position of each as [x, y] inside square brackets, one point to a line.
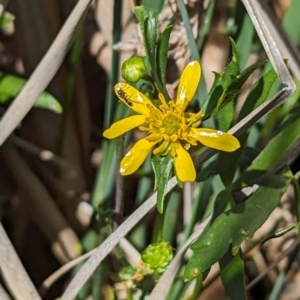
[197, 289]
[158, 227]
[128, 293]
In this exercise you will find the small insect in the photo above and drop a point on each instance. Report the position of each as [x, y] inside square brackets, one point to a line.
[124, 96]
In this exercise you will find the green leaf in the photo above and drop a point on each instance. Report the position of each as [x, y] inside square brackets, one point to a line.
[245, 37]
[148, 23]
[221, 82]
[162, 53]
[207, 171]
[151, 24]
[162, 167]
[221, 203]
[142, 14]
[227, 86]
[6, 19]
[289, 132]
[11, 85]
[228, 162]
[260, 92]
[232, 275]
[225, 117]
[291, 23]
[156, 5]
[232, 227]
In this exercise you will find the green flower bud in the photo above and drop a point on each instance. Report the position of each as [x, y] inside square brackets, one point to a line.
[158, 256]
[126, 273]
[133, 69]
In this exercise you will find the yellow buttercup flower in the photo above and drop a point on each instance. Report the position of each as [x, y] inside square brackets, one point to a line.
[170, 129]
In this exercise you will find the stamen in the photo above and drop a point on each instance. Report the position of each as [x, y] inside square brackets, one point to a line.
[143, 128]
[154, 137]
[162, 99]
[173, 150]
[162, 149]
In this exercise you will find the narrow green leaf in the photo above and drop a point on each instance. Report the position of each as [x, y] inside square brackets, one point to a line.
[232, 275]
[221, 203]
[234, 66]
[156, 5]
[273, 151]
[245, 38]
[151, 24]
[189, 31]
[208, 171]
[11, 85]
[162, 54]
[47, 101]
[225, 117]
[231, 228]
[162, 167]
[206, 24]
[221, 83]
[291, 22]
[237, 82]
[142, 14]
[105, 177]
[260, 92]
[228, 162]
[227, 86]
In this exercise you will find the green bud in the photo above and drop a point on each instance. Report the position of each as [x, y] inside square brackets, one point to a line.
[133, 69]
[158, 256]
[126, 273]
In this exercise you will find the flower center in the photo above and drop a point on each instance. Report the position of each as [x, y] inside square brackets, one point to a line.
[171, 124]
[167, 125]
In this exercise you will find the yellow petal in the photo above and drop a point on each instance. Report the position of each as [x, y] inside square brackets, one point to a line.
[184, 166]
[215, 139]
[124, 125]
[133, 98]
[136, 156]
[188, 84]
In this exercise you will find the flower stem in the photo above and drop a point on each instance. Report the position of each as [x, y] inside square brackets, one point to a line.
[197, 289]
[158, 227]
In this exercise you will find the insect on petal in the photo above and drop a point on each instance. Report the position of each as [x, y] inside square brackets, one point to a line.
[133, 98]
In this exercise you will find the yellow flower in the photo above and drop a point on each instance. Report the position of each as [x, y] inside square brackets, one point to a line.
[169, 128]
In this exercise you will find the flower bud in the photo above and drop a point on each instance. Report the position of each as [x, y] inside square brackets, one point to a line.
[126, 273]
[133, 69]
[158, 256]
